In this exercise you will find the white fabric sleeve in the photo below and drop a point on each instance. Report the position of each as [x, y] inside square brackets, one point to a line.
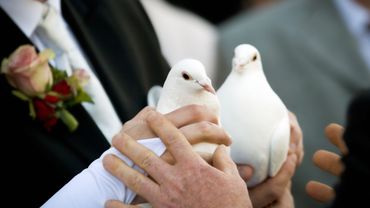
[94, 185]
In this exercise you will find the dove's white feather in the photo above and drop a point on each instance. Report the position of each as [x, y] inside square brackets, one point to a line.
[254, 116]
[153, 96]
[178, 91]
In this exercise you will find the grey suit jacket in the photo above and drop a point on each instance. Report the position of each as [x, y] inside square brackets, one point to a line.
[311, 61]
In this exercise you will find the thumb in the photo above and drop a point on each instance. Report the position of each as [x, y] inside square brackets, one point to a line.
[245, 172]
[223, 161]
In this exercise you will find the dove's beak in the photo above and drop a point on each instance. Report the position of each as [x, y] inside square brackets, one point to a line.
[207, 87]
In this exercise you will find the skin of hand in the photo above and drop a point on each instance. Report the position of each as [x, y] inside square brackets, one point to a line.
[285, 201]
[296, 138]
[273, 190]
[329, 162]
[197, 123]
[189, 182]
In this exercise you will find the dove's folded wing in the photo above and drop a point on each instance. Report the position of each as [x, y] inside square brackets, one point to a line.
[279, 145]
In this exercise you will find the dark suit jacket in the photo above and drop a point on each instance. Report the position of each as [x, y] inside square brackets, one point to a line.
[121, 45]
[353, 187]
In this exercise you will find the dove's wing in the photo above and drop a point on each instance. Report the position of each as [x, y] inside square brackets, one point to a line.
[279, 145]
[154, 95]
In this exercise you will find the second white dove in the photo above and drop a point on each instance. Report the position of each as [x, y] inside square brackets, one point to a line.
[254, 116]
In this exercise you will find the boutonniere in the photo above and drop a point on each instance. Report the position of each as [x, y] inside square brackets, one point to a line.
[49, 92]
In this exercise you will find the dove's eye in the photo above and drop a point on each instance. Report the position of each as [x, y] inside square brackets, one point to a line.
[186, 76]
[254, 58]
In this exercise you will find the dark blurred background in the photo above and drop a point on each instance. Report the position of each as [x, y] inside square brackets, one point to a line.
[219, 11]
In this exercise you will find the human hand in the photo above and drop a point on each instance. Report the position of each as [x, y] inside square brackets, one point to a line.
[329, 162]
[273, 189]
[285, 201]
[296, 138]
[197, 123]
[190, 182]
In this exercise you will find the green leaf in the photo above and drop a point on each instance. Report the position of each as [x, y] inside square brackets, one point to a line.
[58, 75]
[68, 119]
[20, 95]
[80, 97]
[32, 109]
[4, 63]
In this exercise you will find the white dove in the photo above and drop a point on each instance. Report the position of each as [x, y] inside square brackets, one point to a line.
[187, 83]
[254, 116]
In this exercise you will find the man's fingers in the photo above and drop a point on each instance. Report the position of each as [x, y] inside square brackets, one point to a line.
[143, 157]
[296, 137]
[143, 113]
[206, 132]
[334, 132]
[191, 114]
[320, 192]
[328, 161]
[286, 172]
[136, 181]
[245, 172]
[172, 137]
[202, 132]
[273, 188]
[118, 204]
[223, 161]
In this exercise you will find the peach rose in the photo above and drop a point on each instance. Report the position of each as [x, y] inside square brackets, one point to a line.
[28, 71]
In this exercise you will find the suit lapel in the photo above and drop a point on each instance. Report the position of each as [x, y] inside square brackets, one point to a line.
[346, 66]
[121, 47]
[87, 142]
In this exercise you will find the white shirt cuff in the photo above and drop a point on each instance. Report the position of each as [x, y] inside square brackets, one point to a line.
[94, 185]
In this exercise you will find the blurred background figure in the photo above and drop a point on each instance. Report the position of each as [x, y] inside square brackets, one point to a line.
[188, 28]
[183, 34]
[316, 55]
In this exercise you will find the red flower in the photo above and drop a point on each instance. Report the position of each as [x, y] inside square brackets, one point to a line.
[62, 87]
[51, 99]
[43, 111]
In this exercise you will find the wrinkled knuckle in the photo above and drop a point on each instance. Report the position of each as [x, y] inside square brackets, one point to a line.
[127, 125]
[120, 140]
[136, 183]
[202, 113]
[172, 140]
[147, 161]
[206, 128]
[148, 109]
[153, 116]
[116, 138]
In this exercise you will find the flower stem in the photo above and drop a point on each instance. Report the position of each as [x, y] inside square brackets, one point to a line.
[32, 109]
[69, 120]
